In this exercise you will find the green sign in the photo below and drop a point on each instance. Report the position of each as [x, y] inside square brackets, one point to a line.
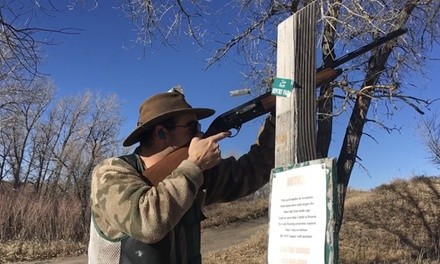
[282, 87]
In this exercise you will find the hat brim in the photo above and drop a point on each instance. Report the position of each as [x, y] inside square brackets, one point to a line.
[134, 136]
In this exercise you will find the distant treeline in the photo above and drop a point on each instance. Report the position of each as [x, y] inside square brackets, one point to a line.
[48, 149]
[53, 145]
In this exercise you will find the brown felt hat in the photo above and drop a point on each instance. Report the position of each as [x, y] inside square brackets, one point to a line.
[160, 107]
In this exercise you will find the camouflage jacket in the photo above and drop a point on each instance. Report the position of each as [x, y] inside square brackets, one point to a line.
[124, 205]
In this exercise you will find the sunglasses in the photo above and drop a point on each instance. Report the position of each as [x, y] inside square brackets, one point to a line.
[193, 126]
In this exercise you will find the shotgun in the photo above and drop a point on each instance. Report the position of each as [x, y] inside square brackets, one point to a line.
[263, 104]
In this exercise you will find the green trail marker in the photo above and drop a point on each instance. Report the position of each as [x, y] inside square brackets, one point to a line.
[282, 87]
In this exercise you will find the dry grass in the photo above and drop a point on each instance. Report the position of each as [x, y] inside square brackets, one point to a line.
[253, 251]
[241, 210]
[393, 223]
[30, 216]
[38, 227]
[13, 251]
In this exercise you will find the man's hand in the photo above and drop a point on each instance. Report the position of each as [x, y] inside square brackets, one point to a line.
[205, 152]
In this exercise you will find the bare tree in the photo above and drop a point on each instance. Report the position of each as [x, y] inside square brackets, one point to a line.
[5, 148]
[429, 130]
[56, 149]
[21, 46]
[21, 42]
[70, 117]
[43, 145]
[25, 108]
[99, 137]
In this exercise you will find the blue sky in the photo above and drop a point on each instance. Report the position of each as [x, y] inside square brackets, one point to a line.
[96, 60]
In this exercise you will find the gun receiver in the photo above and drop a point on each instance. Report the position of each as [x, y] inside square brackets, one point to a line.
[234, 118]
[265, 103]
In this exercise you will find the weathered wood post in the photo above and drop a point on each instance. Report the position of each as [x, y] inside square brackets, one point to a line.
[296, 131]
[300, 214]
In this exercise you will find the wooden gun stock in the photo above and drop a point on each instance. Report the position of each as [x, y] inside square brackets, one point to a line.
[159, 171]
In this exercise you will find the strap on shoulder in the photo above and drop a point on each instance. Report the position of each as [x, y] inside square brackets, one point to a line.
[134, 160]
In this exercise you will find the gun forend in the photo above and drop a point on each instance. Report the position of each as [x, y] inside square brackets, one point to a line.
[241, 114]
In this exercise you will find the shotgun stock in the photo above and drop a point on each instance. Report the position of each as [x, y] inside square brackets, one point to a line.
[265, 103]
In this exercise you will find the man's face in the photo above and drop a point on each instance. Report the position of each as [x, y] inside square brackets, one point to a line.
[187, 126]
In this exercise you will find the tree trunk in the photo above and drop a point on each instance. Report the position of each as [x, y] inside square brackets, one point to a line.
[325, 102]
[353, 134]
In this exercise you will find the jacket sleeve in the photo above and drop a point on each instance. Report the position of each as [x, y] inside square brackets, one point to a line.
[124, 204]
[233, 179]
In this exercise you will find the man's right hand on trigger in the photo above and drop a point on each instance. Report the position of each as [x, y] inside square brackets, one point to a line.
[205, 152]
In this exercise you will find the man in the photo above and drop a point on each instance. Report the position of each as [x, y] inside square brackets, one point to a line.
[139, 219]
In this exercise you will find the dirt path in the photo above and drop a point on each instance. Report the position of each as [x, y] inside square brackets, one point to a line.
[213, 239]
[216, 239]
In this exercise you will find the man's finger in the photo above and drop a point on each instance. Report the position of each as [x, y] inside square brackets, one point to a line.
[220, 136]
[196, 139]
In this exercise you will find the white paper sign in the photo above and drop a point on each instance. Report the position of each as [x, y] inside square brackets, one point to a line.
[298, 216]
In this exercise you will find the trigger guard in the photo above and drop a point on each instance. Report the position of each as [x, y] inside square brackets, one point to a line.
[237, 129]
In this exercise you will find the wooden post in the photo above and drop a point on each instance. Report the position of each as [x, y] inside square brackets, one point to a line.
[296, 131]
[296, 115]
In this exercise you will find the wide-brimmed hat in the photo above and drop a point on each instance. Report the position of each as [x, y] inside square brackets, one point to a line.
[160, 107]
